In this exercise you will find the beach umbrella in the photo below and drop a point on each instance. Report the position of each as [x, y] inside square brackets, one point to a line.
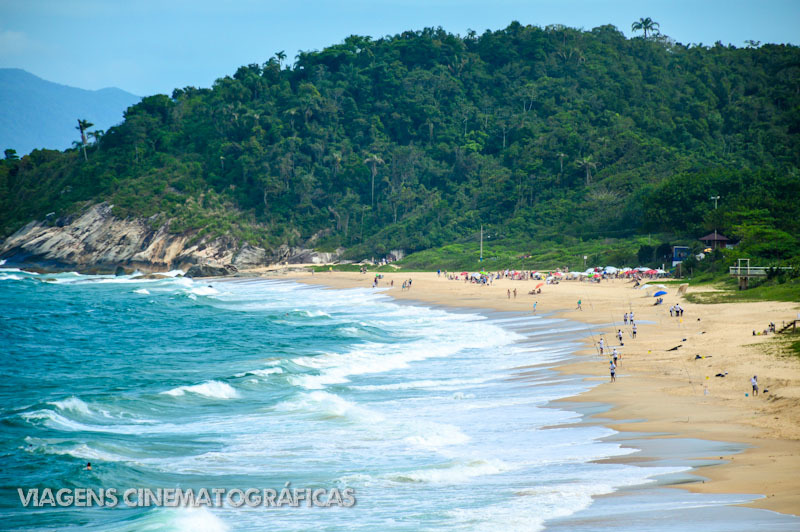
[538, 285]
[660, 293]
[558, 274]
[660, 271]
[650, 272]
[464, 273]
[611, 269]
[642, 269]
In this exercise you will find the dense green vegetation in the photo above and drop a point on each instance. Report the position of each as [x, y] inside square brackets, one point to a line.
[555, 140]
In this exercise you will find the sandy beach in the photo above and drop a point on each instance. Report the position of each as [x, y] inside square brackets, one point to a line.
[668, 391]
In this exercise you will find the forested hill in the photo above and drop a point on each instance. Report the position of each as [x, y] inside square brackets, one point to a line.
[541, 134]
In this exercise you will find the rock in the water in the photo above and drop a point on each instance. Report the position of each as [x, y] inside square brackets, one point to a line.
[208, 270]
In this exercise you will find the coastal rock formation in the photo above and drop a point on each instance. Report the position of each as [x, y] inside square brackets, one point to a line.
[250, 256]
[98, 241]
[207, 270]
[309, 256]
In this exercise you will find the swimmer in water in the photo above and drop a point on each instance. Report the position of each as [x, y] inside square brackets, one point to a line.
[88, 466]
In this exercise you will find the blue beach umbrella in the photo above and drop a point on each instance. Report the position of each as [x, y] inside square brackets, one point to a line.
[660, 293]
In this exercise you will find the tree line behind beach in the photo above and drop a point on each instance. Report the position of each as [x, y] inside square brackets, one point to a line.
[551, 137]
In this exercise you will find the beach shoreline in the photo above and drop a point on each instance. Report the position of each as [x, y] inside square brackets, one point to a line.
[666, 393]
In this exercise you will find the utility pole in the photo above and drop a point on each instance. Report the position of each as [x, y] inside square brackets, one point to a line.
[481, 259]
[716, 199]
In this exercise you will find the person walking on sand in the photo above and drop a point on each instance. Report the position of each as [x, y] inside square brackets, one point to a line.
[615, 355]
[534, 306]
[515, 293]
[601, 344]
[630, 318]
[754, 382]
[634, 331]
[579, 305]
[613, 369]
[509, 293]
[625, 318]
[619, 336]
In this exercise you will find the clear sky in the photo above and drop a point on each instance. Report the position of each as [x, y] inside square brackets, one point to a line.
[151, 46]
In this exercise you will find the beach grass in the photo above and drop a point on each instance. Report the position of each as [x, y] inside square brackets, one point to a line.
[727, 292]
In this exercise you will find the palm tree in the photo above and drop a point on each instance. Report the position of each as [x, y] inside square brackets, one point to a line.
[587, 164]
[280, 56]
[373, 161]
[97, 135]
[645, 25]
[83, 125]
[561, 161]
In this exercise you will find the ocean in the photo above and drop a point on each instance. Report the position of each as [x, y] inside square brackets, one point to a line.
[436, 419]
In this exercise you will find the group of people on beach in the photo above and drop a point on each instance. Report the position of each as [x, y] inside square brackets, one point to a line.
[676, 311]
[615, 356]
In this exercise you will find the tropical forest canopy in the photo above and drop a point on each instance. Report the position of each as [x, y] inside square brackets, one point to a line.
[414, 141]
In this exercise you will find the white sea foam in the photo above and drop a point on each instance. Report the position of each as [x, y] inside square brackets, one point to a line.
[196, 520]
[86, 452]
[461, 395]
[260, 372]
[16, 270]
[10, 277]
[369, 358]
[454, 473]
[143, 291]
[329, 405]
[444, 385]
[212, 389]
[73, 404]
[436, 436]
[204, 291]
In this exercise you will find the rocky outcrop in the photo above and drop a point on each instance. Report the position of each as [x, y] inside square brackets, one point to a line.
[309, 256]
[207, 270]
[97, 241]
[250, 257]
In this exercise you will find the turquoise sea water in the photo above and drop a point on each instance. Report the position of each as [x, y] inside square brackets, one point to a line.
[435, 418]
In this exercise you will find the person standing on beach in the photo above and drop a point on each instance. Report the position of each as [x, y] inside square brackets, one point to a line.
[754, 382]
[619, 336]
[625, 318]
[613, 369]
[615, 355]
[630, 318]
[601, 344]
[509, 293]
[534, 306]
[634, 331]
[579, 305]
[515, 293]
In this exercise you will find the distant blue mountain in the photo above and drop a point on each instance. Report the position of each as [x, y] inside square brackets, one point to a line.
[35, 113]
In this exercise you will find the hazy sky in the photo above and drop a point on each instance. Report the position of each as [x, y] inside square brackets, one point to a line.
[149, 46]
